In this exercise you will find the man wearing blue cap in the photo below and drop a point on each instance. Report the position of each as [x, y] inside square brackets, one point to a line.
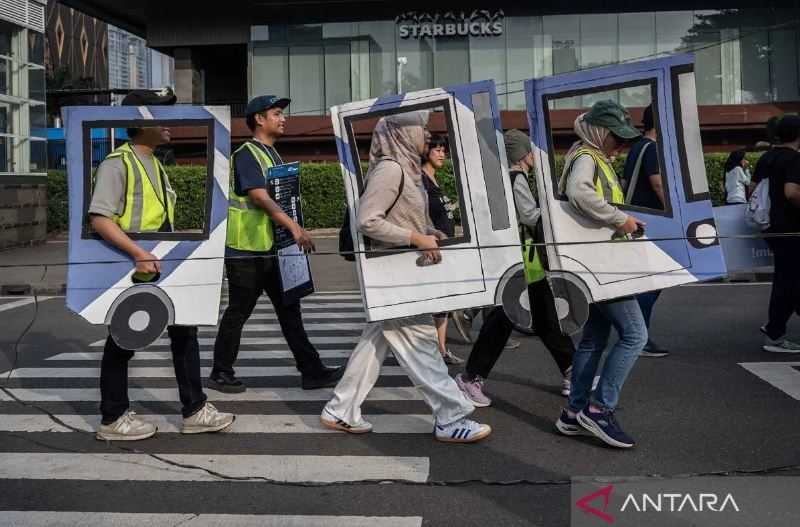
[250, 262]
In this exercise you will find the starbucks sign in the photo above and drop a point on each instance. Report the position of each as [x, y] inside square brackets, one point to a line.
[478, 23]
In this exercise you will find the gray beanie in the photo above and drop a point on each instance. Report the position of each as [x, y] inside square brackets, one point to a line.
[518, 145]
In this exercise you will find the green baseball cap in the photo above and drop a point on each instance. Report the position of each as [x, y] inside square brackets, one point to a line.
[611, 115]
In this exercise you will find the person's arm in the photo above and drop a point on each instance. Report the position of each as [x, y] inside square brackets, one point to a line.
[107, 202]
[658, 187]
[383, 187]
[653, 170]
[528, 211]
[580, 190]
[792, 193]
[250, 179]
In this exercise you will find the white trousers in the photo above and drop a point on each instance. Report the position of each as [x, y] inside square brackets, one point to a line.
[414, 344]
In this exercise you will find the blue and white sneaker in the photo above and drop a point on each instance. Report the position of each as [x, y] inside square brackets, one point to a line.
[329, 420]
[569, 426]
[462, 431]
[605, 426]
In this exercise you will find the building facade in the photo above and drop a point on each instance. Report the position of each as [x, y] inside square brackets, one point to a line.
[23, 123]
[132, 65]
[324, 53]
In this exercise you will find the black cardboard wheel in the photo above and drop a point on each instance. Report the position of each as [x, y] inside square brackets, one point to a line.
[572, 306]
[516, 304]
[138, 321]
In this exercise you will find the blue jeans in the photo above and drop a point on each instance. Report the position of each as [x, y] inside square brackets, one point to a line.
[626, 317]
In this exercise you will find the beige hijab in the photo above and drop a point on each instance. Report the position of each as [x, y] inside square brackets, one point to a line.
[400, 137]
[589, 136]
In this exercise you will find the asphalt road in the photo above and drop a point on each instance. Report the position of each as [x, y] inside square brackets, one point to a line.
[706, 408]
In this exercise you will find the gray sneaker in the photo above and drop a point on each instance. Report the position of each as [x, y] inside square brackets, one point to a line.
[780, 346]
[451, 358]
[127, 428]
[207, 419]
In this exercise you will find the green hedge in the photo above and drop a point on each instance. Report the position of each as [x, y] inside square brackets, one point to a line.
[323, 196]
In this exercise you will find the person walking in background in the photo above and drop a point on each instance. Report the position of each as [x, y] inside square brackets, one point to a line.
[592, 188]
[737, 178]
[497, 327]
[441, 212]
[395, 177]
[646, 189]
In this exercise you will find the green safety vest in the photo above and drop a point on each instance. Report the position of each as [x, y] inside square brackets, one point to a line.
[534, 270]
[606, 183]
[249, 227]
[146, 209]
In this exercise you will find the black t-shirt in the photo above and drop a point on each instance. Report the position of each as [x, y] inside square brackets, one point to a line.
[439, 207]
[643, 193]
[783, 166]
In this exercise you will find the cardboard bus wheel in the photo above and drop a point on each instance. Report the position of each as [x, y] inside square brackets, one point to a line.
[572, 301]
[516, 303]
[139, 319]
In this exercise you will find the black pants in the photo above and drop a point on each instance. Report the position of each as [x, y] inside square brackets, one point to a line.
[247, 279]
[785, 297]
[185, 359]
[497, 329]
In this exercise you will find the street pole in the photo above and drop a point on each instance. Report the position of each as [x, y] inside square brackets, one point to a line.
[401, 61]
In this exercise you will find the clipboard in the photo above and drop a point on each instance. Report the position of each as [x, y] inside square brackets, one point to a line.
[283, 185]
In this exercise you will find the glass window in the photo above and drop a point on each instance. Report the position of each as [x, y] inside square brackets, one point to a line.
[38, 161]
[36, 82]
[564, 34]
[6, 152]
[7, 117]
[7, 32]
[672, 30]
[38, 116]
[487, 61]
[755, 68]
[306, 80]
[5, 76]
[35, 47]
[708, 59]
[452, 61]
[783, 64]
[270, 70]
[524, 52]
[382, 70]
[338, 75]
[637, 39]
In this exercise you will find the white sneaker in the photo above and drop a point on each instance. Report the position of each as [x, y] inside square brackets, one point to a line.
[329, 420]
[127, 428]
[207, 419]
[462, 431]
[566, 383]
[780, 346]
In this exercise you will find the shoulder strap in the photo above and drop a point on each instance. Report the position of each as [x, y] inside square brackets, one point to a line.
[637, 167]
[400, 189]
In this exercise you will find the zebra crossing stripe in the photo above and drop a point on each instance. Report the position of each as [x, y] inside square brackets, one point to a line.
[311, 317]
[118, 519]
[141, 467]
[168, 372]
[171, 394]
[782, 375]
[312, 298]
[245, 424]
[204, 355]
[310, 327]
[251, 341]
[307, 306]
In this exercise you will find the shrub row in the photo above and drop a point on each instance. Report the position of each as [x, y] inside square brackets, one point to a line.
[323, 195]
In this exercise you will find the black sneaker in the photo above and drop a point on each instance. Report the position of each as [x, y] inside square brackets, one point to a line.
[569, 426]
[653, 350]
[327, 379]
[226, 383]
[605, 426]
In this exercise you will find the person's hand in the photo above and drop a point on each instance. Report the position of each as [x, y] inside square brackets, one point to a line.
[429, 246]
[146, 263]
[303, 239]
[632, 225]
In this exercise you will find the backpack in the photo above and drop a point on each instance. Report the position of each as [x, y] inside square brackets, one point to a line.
[757, 212]
[346, 246]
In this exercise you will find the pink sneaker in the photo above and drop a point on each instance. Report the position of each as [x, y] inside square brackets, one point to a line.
[473, 390]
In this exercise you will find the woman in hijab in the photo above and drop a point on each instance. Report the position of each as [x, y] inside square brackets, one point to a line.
[592, 187]
[394, 184]
[737, 178]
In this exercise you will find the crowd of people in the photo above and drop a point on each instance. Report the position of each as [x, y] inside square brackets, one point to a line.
[404, 205]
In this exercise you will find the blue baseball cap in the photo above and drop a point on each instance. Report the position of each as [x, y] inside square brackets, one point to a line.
[265, 102]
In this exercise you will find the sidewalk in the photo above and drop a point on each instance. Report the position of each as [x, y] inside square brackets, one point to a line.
[42, 267]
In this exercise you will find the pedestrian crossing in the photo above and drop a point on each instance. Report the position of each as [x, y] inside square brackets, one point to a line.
[65, 385]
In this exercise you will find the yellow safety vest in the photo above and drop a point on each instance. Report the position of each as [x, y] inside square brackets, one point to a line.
[146, 208]
[606, 183]
[249, 227]
[534, 270]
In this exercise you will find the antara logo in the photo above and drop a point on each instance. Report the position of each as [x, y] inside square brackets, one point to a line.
[663, 502]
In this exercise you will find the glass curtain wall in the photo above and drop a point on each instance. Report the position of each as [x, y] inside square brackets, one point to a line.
[23, 120]
[743, 56]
